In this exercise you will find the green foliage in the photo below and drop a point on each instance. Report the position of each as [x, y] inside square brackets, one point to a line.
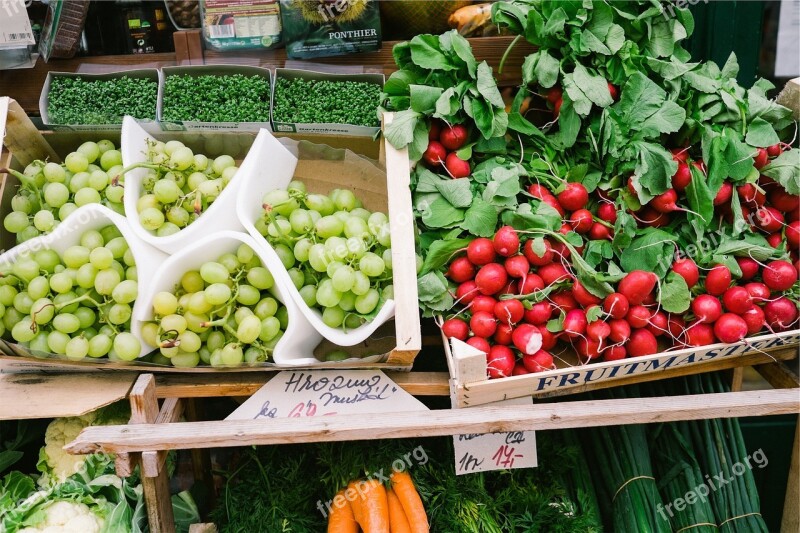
[301, 101]
[210, 98]
[83, 101]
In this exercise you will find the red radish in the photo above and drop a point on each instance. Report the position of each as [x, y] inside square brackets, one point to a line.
[511, 288]
[517, 266]
[730, 328]
[564, 301]
[769, 219]
[718, 280]
[680, 155]
[500, 362]
[481, 251]
[553, 273]
[666, 202]
[581, 220]
[755, 320]
[598, 331]
[453, 137]
[658, 323]
[565, 229]
[588, 349]
[682, 177]
[675, 326]
[503, 334]
[599, 232]
[706, 308]
[616, 305]
[535, 260]
[612, 89]
[620, 330]
[506, 241]
[435, 130]
[509, 311]
[479, 343]
[538, 362]
[775, 240]
[607, 211]
[539, 313]
[636, 285]
[699, 165]
[750, 195]
[761, 159]
[783, 201]
[749, 268]
[737, 300]
[582, 296]
[531, 283]
[780, 313]
[641, 343]
[539, 191]
[554, 94]
[767, 183]
[527, 338]
[483, 324]
[575, 323]
[435, 154]
[638, 316]
[557, 107]
[466, 292]
[461, 270]
[793, 234]
[561, 249]
[491, 278]
[548, 339]
[758, 292]
[484, 303]
[457, 167]
[649, 300]
[724, 194]
[455, 328]
[573, 197]
[687, 269]
[519, 370]
[698, 334]
[652, 218]
[615, 353]
[779, 275]
[775, 150]
[552, 201]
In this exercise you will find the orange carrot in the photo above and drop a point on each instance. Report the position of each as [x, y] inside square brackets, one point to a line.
[374, 507]
[398, 522]
[409, 498]
[355, 502]
[341, 519]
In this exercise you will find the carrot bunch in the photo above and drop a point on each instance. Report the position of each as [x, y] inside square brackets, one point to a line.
[369, 507]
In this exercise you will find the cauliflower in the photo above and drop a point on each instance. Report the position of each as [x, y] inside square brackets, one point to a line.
[66, 517]
[57, 463]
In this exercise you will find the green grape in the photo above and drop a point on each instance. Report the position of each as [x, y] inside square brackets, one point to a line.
[106, 280]
[125, 292]
[99, 346]
[336, 248]
[361, 284]
[117, 246]
[119, 314]
[285, 255]
[282, 314]
[333, 316]
[387, 258]
[7, 294]
[77, 182]
[91, 150]
[57, 342]
[114, 193]
[104, 146]
[11, 317]
[76, 162]
[230, 262]
[77, 348]
[175, 323]
[309, 295]
[110, 158]
[366, 303]
[98, 180]
[150, 333]
[101, 258]
[165, 303]
[185, 359]
[302, 248]
[39, 343]
[62, 302]
[196, 322]
[270, 327]
[182, 158]
[279, 228]
[327, 295]
[56, 195]
[178, 216]
[26, 268]
[44, 221]
[193, 281]
[228, 174]
[217, 294]
[166, 191]
[248, 295]
[76, 256]
[128, 258]
[348, 301]
[189, 341]
[167, 229]
[371, 265]
[361, 213]
[388, 292]
[126, 346]
[342, 216]
[213, 272]
[356, 227]
[254, 355]
[23, 302]
[42, 311]
[27, 234]
[353, 321]
[48, 260]
[151, 218]
[199, 304]
[232, 355]
[221, 163]
[320, 203]
[215, 341]
[38, 287]
[92, 239]
[300, 221]
[345, 200]
[86, 317]
[329, 226]
[54, 173]
[343, 279]
[317, 258]
[296, 186]
[66, 210]
[265, 308]
[260, 278]
[195, 179]
[66, 323]
[23, 203]
[16, 221]
[249, 330]
[87, 196]
[297, 277]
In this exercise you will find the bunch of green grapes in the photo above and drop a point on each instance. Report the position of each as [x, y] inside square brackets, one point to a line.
[50, 192]
[179, 186]
[77, 304]
[337, 253]
[223, 314]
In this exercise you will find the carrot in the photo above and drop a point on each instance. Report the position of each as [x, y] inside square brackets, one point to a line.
[398, 522]
[355, 503]
[409, 498]
[373, 507]
[341, 519]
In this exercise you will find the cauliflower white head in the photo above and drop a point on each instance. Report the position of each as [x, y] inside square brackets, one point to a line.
[61, 432]
[67, 517]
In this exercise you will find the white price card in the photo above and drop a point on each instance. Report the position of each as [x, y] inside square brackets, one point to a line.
[496, 451]
[309, 393]
[15, 27]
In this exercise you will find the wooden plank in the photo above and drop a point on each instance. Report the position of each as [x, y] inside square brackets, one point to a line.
[26, 396]
[778, 375]
[484, 419]
[181, 48]
[737, 375]
[791, 511]
[203, 528]
[21, 137]
[153, 462]
[194, 42]
[201, 457]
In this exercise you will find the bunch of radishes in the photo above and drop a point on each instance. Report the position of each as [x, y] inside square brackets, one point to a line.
[443, 142]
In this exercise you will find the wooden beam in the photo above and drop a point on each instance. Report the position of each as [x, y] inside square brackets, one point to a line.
[778, 375]
[227, 433]
[153, 462]
[791, 509]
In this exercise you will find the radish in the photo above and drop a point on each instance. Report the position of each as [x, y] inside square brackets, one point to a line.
[531, 283]
[581, 220]
[575, 323]
[453, 137]
[769, 219]
[638, 316]
[750, 195]
[539, 313]
[491, 278]
[775, 240]
[718, 280]
[779, 275]
[599, 232]
[641, 343]
[699, 334]
[466, 292]
[749, 268]
[730, 328]
[536, 260]
[775, 150]
[554, 94]
[519, 370]
[636, 285]
[616, 305]
[755, 320]
[481, 251]
[540, 361]
[500, 362]
[761, 159]
[539, 191]
[687, 269]
[564, 300]
[657, 325]
[553, 273]
[511, 288]
[484, 303]
[780, 313]
[682, 177]
[608, 212]
[706, 308]
[582, 296]
[548, 339]
[675, 326]
[527, 338]
[737, 300]
[457, 167]
[598, 331]
[724, 194]
[503, 334]
[615, 353]
[561, 250]
[435, 154]
[565, 229]
[699, 165]
[455, 328]
[506, 241]
[758, 292]
[588, 349]
[681, 155]
[573, 197]
[517, 266]
[613, 91]
[557, 107]
[651, 218]
[434, 130]
[793, 234]
[483, 324]
[552, 201]
[509, 311]
[783, 201]
[666, 202]
[479, 343]
[461, 270]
